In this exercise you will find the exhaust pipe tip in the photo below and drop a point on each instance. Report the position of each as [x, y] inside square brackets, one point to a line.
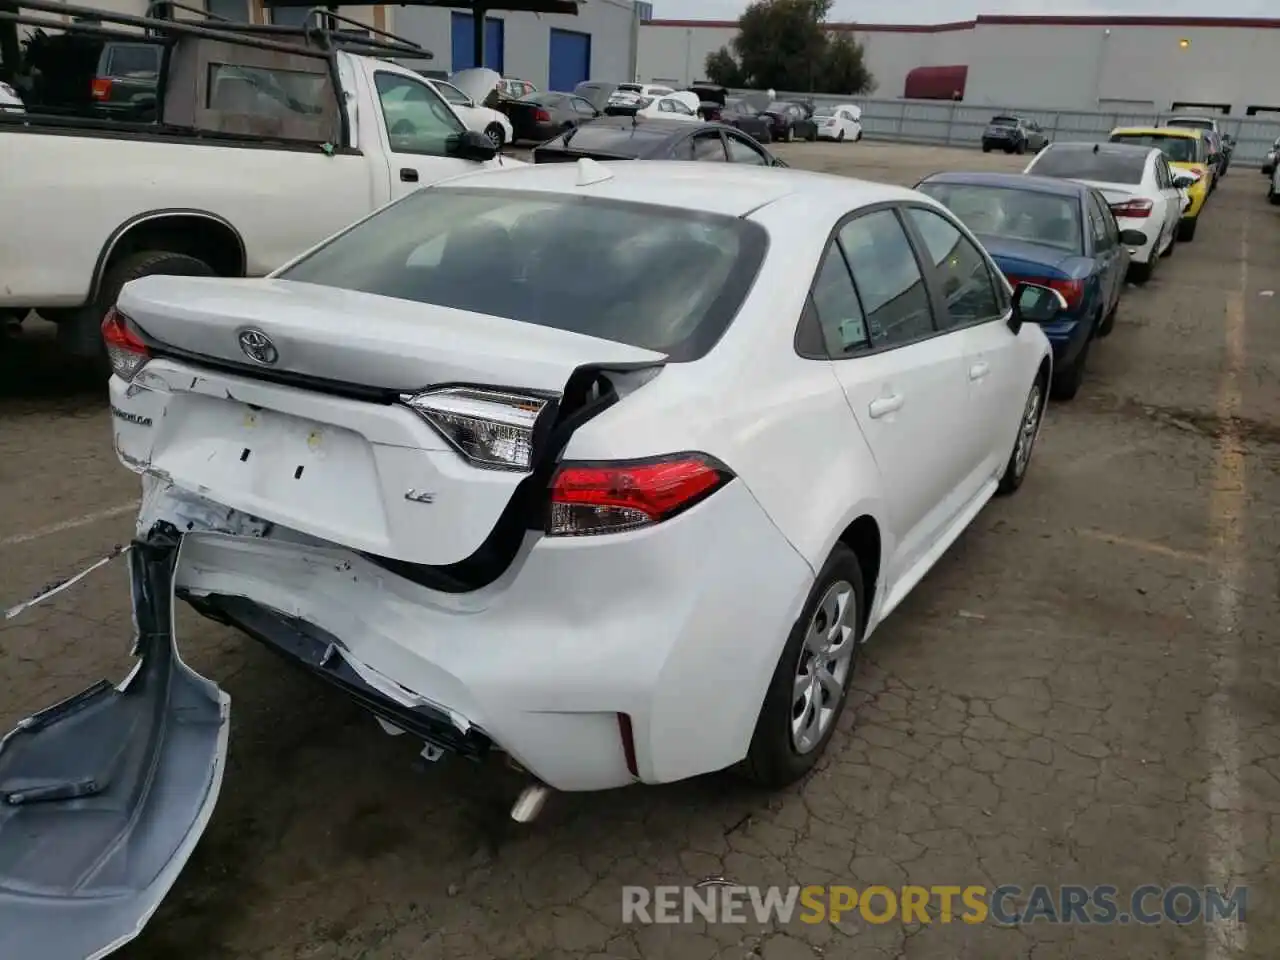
[530, 803]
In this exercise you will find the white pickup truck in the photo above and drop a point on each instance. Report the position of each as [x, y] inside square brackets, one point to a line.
[262, 145]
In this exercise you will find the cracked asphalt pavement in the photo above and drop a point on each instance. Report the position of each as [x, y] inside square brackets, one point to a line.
[1083, 691]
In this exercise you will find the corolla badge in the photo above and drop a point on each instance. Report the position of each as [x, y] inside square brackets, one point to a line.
[257, 346]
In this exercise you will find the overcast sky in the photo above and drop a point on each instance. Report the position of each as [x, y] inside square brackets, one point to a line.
[939, 11]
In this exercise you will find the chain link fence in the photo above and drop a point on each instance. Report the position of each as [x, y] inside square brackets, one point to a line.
[955, 124]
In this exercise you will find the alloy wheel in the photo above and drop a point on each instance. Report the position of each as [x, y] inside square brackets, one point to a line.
[824, 666]
[1028, 430]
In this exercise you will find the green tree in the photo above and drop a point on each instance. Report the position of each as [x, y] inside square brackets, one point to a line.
[723, 69]
[844, 69]
[785, 45]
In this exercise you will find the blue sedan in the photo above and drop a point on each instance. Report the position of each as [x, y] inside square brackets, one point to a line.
[1057, 233]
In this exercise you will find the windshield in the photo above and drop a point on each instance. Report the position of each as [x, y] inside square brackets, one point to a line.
[582, 264]
[1175, 149]
[1009, 213]
[1104, 166]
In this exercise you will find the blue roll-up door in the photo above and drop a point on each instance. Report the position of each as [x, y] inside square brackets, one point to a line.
[464, 42]
[570, 59]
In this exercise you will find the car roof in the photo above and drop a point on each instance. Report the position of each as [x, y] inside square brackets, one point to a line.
[1185, 132]
[725, 188]
[1016, 181]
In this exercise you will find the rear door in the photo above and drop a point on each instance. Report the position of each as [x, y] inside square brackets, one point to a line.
[1171, 200]
[1106, 249]
[416, 127]
[905, 379]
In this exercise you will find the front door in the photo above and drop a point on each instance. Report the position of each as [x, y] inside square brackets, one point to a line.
[906, 383]
[974, 302]
[417, 125]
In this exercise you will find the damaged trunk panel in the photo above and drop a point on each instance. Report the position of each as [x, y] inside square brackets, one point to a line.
[104, 796]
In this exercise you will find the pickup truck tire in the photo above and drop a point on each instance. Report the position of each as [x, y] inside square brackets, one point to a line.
[81, 333]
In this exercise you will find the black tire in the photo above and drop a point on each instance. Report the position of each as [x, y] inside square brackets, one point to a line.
[812, 135]
[1139, 274]
[986, 147]
[1015, 470]
[1067, 382]
[772, 760]
[1187, 229]
[80, 335]
[858, 137]
[1021, 148]
[1009, 148]
[1273, 196]
[840, 136]
[495, 134]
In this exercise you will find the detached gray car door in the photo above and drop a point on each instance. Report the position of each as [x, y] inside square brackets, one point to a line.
[104, 796]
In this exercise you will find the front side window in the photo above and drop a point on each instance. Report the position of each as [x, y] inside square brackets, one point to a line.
[1098, 225]
[742, 152]
[708, 146]
[655, 277]
[417, 119]
[894, 298]
[960, 270]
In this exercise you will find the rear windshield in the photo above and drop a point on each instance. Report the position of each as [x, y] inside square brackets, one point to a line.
[1107, 166]
[132, 60]
[606, 138]
[1175, 149]
[1030, 215]
[1192, 124]
[630, 88]
[549, 99]
[1004, 121]
[661, 278]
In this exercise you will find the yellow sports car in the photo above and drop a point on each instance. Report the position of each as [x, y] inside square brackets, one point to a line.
[1185, 149]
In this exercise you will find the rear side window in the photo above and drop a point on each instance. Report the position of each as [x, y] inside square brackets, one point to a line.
[1107, 166]
[661, 278]
[844, 329]
[960, 269]
[133, 60]
[892, 291]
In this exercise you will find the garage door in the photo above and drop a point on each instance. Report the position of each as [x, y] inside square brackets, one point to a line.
[464, 42]
[570, 59]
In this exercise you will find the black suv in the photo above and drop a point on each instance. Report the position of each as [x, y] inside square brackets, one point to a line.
[1013, 135]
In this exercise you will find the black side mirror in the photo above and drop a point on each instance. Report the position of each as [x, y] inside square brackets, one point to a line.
[1033, 303]
[471, 145]
[1132, 238]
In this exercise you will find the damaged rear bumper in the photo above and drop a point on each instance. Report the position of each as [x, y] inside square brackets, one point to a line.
[104, 796]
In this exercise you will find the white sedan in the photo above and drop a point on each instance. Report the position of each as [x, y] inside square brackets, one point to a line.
[672, 106]
[10, 102]
[839, 123]
[1144, 192]
[466, 96]
[619, 531]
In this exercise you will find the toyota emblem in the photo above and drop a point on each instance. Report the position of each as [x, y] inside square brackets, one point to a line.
[257, 346]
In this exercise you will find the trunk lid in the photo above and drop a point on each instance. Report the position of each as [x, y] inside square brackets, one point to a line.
[1114, 192]
[319, 440]
[1026, 259]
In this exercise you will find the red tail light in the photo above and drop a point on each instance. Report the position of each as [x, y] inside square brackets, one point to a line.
[541, 116]
[125, 349]
[1132, 208]
[100, 89]
[1072, 290]
[616, 497]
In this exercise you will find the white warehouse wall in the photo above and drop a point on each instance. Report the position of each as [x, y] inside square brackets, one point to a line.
[527, 37]
[1066, 63]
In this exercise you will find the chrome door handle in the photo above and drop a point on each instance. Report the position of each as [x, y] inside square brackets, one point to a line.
[885, 405]
[979, 370]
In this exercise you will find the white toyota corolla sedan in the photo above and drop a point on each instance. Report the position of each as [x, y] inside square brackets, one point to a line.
[607, 467]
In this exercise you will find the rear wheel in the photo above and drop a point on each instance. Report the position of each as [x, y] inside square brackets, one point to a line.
[986, 148]
[1021, 148]
[495, 134]
[811, 681]
[840, 137]
[81, 333]
[1273, 195]
[858, 137]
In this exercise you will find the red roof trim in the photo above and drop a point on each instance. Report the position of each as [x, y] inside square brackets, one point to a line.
[1001, 20]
